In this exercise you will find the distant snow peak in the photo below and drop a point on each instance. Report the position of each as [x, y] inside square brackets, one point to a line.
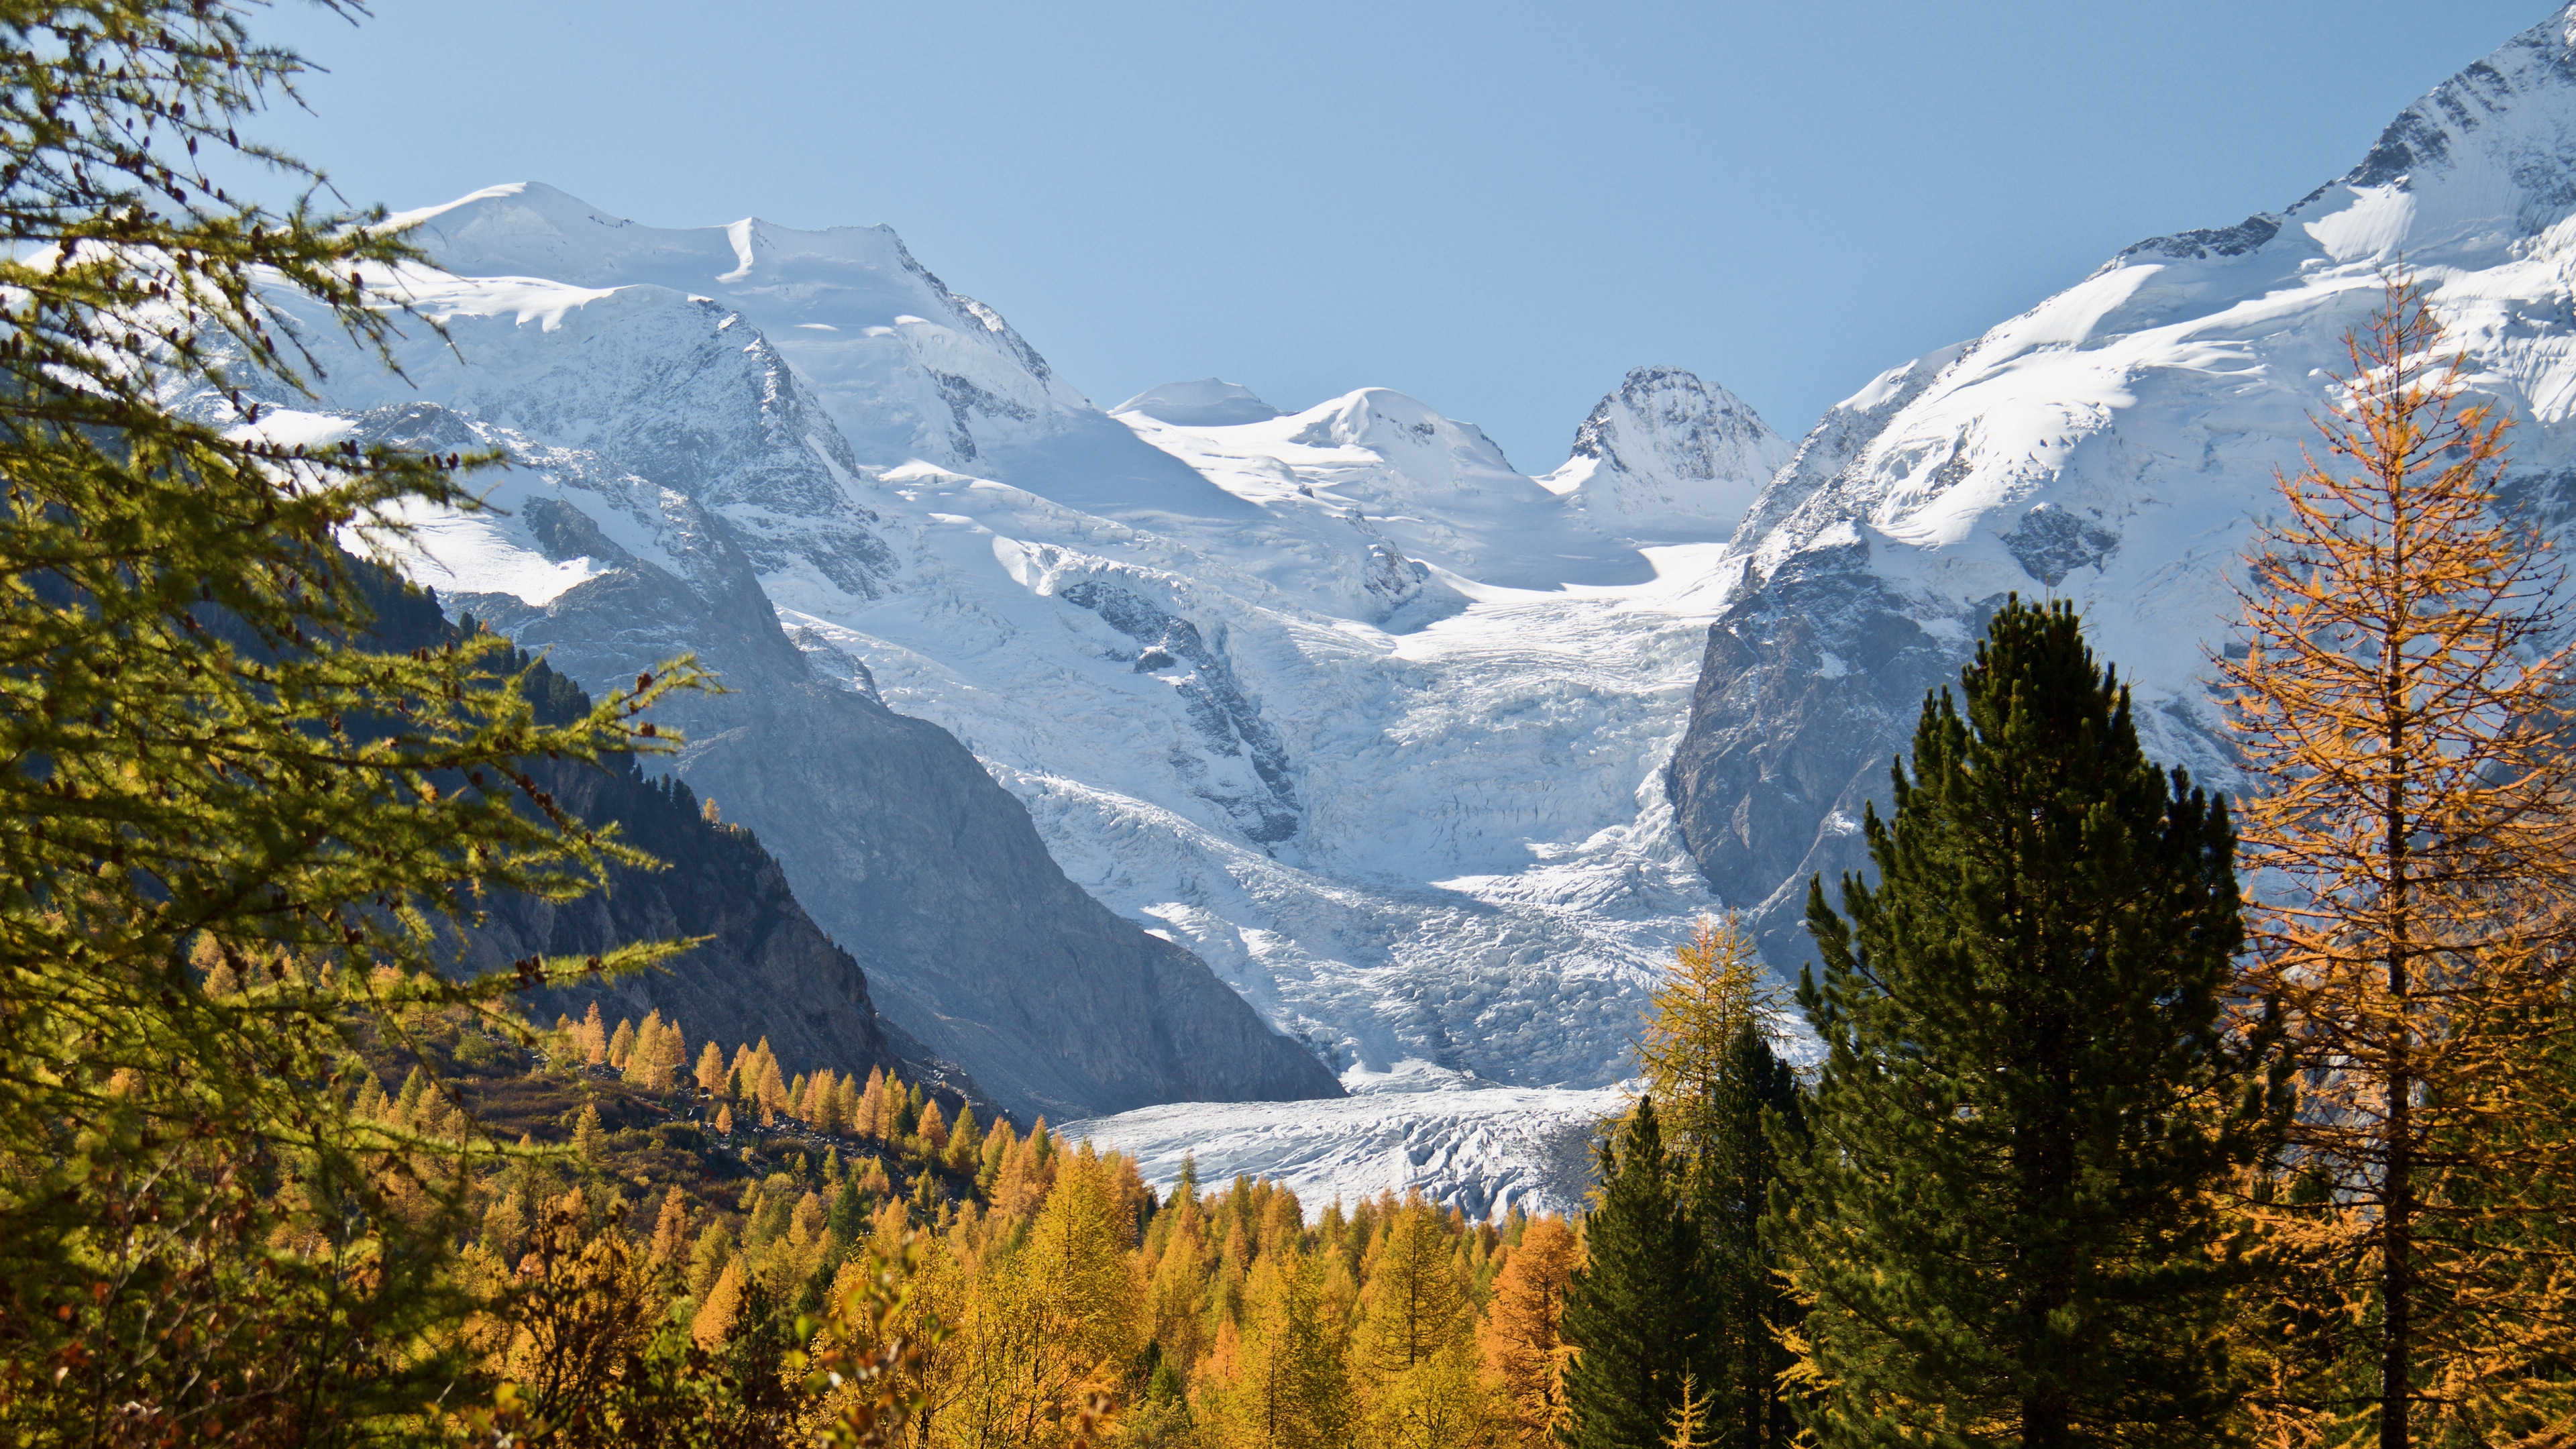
[1389, 423]
[2115, 446]
[1207, 403]
[1669, 455]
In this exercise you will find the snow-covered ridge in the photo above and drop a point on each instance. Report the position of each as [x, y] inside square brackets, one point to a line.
[1669, 454]
[900, 362]
[2114, 445]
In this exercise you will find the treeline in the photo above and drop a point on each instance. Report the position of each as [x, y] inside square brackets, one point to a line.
[655, 1057]
[1048, 1295]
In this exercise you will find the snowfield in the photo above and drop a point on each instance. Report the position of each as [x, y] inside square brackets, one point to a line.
[1335, 698]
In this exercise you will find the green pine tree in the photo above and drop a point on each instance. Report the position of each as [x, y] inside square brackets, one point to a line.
[1635, 1311]
[2002, 1222]
[1759, 1109]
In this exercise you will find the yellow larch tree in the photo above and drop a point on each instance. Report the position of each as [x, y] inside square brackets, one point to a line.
[1413, 1352]
[1522, 1341]
[1286, 1385]
[1716, 986]
[2400, 704]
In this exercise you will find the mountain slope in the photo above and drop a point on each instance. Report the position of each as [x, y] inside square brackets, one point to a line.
[2113, 445]
[1337, 700]
[616, 555]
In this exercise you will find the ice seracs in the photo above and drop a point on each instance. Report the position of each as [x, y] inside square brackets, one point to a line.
[1337, 699]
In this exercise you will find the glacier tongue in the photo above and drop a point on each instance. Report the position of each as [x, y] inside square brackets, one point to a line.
[2114, 446]
[1482, 1149]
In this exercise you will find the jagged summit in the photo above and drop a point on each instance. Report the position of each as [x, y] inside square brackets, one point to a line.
[1668, 454]
[1207, 403]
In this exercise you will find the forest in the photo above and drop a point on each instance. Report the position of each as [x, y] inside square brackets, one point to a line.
[2114, 1110]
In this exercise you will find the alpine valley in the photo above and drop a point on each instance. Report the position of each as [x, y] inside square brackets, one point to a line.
[1187, 765]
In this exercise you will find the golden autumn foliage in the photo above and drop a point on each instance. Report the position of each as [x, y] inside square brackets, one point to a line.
[1522, 1341]
[2403, 704]
[1715, 987]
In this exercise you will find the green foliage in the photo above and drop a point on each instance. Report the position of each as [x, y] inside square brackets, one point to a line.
[1760, 1110]
[2004, 1221]
[204, 757]
[1635, 1308]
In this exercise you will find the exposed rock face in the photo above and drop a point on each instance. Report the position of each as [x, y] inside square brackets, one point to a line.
[2114, 445]
[766, 971]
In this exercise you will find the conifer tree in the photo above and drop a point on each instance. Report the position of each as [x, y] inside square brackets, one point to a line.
[594, 1037]
[2003, 1223]
[622, 1044]
[1288, 1387]
[1634, 1313]
[639, 1063]
[1689, 1046]
[589, 1137]
[1523, 1339]
[711, 1068]
[2403, 696]
[964, 1144]
[1758, 1108]
[670, 1230]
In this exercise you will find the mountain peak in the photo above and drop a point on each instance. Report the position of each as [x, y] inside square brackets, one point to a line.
[1207, 403]
[905, 367]
[1669, 453]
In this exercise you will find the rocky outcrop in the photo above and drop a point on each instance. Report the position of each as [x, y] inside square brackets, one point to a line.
[764, 970]
[1669, 455]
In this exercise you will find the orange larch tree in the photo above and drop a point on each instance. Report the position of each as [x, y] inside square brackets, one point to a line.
[2400, 705]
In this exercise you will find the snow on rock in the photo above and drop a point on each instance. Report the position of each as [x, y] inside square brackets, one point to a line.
[1669, 456]
[1482, 1149]
[1207, 403]
[2114, 446]
[905, 367]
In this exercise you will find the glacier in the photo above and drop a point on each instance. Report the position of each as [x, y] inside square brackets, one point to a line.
[1336, 699]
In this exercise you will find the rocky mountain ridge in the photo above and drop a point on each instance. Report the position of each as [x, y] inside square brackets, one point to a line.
[2115, 445]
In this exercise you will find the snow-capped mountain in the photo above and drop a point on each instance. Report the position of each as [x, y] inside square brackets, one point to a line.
[1335, 699]
[2114, 445]
[1669, 455]
[1386, 732]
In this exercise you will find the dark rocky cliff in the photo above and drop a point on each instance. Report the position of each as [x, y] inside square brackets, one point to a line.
[765, 971]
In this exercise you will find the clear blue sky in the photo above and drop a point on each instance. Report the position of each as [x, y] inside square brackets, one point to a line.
[1498, 207]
